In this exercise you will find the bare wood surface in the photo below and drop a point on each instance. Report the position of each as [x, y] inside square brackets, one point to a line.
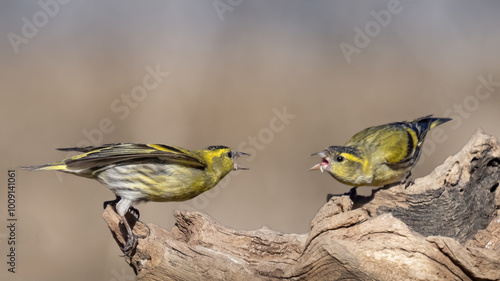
[444, 227]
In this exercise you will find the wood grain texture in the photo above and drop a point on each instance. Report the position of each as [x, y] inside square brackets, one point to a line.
[444, 227]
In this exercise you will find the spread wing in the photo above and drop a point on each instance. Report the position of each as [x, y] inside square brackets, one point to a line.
[96, 157]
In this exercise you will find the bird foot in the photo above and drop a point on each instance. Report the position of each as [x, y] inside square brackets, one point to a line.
[353, 193]
[329, 196]
[131, 209]
[134, 212]
[131, 244]
[409, 180]
[112, 202]
[132, 239]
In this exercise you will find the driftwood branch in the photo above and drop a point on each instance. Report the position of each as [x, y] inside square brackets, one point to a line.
[444, 227]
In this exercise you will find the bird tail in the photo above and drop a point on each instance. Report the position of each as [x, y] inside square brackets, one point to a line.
[430, 122]
[56, 166]
[426, 123]
[433, 122]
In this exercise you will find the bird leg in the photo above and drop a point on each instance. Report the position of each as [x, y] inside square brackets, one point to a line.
[352, 194]
[408, 180]
[131, 239]
[131, 209]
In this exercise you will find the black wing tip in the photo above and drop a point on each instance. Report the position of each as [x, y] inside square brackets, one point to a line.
[167, 147]
[429, 118]
[70, 148]
[88, 148]
[444, 120]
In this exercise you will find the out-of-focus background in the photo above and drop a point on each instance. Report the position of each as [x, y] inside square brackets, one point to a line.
[280, 79]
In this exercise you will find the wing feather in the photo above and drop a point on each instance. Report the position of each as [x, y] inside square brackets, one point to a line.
[95, 157]
[397, 146]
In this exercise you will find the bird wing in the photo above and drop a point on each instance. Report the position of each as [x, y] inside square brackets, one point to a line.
[394, 144]
[411, 137]
[94, 157]
[400, 146]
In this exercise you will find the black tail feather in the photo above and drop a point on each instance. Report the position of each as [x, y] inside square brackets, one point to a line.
[34, 168]
[79, 149]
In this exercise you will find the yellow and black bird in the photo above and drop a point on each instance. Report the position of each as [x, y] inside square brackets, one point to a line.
[148, 172]
[378, 155]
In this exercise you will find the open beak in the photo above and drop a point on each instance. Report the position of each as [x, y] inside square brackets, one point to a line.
[324, 163]
[316, 167]
[236, 166]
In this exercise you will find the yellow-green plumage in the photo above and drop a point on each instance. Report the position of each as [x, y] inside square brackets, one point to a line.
[149, 172]
[378, 155]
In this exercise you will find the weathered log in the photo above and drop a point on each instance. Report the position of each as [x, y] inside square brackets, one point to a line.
[444, 227]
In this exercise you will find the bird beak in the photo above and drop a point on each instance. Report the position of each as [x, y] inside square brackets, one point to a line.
[316, 167]
[321, 154]
[324, 163]
[236, 166]
[238, 154]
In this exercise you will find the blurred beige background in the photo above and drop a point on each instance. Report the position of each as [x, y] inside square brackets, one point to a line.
[73, 74]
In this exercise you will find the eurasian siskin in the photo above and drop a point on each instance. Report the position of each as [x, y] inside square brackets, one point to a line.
[148, 172]
[378, 155]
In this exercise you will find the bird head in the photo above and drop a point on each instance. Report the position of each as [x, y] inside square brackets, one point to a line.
[223, 158]
[344, 163]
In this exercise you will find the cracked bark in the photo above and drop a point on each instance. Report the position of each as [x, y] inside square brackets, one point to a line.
[444, 227]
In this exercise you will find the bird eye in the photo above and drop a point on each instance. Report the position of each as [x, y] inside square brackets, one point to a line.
[230, 154]
[340, 159]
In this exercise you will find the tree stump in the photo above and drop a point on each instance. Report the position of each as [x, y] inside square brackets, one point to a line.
[444, 227]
